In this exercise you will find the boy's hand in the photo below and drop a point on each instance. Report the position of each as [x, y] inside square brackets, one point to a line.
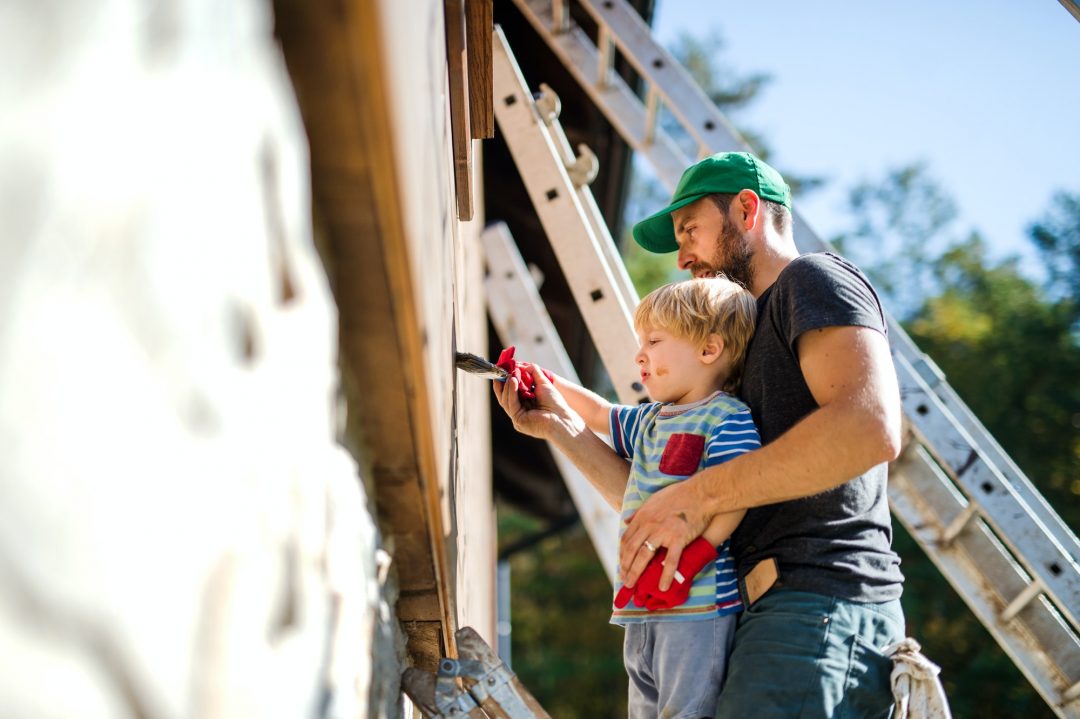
[522, 371]
[671, 519]
[647, 592]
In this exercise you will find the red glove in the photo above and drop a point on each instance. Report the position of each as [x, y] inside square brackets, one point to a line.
[526, 383]
[646, 592]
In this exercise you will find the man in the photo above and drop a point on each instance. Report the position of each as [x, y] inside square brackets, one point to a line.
[815, 564]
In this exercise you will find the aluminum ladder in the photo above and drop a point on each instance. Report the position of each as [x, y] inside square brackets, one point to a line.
[975, 514]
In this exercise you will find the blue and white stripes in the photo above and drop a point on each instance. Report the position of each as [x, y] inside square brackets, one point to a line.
[666, 444]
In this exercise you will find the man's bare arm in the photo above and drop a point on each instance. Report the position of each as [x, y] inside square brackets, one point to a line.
[850, 373]
[552, 419]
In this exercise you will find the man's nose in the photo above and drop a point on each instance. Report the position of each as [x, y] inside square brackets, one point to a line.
[684, 259]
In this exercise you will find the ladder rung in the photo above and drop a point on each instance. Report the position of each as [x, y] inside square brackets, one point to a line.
[560, 16]
[606, 58]
[652, 109]
[1022, 599]
[958, 525]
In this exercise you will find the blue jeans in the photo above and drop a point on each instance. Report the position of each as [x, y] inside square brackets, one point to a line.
[806, 655]
[676, 669]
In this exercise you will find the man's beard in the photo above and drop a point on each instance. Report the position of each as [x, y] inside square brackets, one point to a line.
[733, 258]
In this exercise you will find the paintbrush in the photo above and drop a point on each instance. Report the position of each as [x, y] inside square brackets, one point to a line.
[479, 366]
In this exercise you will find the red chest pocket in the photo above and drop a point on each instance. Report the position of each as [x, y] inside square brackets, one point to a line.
[682, 455]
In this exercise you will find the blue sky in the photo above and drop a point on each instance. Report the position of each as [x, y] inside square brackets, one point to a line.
[986, 93]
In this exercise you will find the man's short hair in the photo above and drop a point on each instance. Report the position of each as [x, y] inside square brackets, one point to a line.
[778, 215]
[694, 309]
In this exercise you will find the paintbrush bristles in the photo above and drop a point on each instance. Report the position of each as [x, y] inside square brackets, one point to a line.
[478, 365]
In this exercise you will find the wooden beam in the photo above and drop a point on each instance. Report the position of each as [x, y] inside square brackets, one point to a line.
[339, 62]
[456, 58]
[479, 24]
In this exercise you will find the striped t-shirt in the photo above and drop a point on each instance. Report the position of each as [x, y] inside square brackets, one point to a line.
[667, 443]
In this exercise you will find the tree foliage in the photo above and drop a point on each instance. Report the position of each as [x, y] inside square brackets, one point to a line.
[1008, 346]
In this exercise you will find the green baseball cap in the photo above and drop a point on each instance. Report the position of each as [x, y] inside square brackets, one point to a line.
[724, 172]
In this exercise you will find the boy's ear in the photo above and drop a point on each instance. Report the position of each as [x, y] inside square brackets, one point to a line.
[712, 349]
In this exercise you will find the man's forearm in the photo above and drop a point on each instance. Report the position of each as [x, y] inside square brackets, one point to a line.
[604, 469]
[825, 449]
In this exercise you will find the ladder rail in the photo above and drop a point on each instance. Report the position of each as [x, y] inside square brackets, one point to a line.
[586, 251]
[520, 319]
[1061, 574]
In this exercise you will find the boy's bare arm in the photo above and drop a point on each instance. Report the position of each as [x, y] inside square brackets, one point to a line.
[722, 526]
[593, 408]
[552, 418]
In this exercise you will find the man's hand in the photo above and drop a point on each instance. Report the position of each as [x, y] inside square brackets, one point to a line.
[671, 518]
[546, 417]
[647, 593]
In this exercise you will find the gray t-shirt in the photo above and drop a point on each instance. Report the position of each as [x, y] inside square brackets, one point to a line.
[839, 542]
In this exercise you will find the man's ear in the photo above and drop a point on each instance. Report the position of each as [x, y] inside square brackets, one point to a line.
[712, 349]
[747, 205]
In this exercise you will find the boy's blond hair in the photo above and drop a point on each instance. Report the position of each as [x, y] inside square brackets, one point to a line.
[694, 309]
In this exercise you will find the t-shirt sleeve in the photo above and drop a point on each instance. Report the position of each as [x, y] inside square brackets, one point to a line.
[735, 435]
[624, 422]
[824, 290]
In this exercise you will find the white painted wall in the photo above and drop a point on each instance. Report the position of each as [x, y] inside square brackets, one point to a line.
[180, 534]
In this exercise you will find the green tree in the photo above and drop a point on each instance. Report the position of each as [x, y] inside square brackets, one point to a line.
[562, 644]
[1057, 236]
[1008, 346]
[900, 225]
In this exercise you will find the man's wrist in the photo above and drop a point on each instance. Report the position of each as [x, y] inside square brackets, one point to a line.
[568, 428]
[712, 491]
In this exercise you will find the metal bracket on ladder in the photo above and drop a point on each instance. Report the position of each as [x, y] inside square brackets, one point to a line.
[1008, 554]
[477, 685]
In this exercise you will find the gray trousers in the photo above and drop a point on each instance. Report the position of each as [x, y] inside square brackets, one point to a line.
[677, 669]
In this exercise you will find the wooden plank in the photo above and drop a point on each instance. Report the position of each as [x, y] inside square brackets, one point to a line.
[337, 58]
[413, 606]
[479, 25]
[424, 644]
[456, 59]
